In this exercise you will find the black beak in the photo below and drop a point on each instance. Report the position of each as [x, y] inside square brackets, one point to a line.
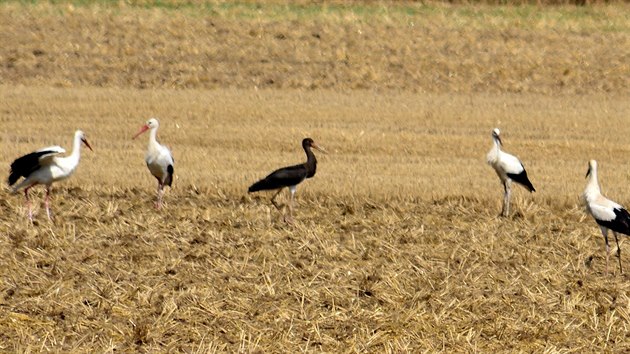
[496, 136]
[86, 143]
[588, 173]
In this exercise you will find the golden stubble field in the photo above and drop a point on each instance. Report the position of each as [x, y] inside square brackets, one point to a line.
[396, 244]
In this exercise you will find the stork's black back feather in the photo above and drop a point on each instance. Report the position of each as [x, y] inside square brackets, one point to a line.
[522, 179]
[621, 222]
[25, 165]
[289, 176]
[284, 177]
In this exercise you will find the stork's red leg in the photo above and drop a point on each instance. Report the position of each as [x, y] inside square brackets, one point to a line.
[160, 189]
[47, 202]
[290, 218]
[507, 185]
[273, 199]
[28, 204]
[618, 252]
[605, 232]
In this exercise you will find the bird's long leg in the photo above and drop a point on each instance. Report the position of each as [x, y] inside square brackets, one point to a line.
[47, 202]
[28, 204]
[605, 233]
[160, 190]
[506, 197]
[618, 251]
[273, 199]
[290, 218]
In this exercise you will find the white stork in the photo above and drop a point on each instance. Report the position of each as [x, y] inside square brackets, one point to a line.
[509, 168]
[608, 214]
[44, 166]
[159, 159]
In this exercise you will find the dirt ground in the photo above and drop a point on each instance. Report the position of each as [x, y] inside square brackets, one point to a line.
[396, 245]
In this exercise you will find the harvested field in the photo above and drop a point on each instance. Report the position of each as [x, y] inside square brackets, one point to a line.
[396, 245]
[415, 48]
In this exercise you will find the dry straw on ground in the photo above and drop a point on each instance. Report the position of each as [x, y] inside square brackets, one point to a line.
[397, 245]
[432, 48]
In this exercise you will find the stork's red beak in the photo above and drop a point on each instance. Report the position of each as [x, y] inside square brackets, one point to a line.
[86, 144]
[142, 130]
[319, 148]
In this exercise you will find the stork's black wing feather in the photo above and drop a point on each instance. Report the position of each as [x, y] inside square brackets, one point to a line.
[522, 179]
[169, 177]
[25, 165]
[284, 177]
[621, 222]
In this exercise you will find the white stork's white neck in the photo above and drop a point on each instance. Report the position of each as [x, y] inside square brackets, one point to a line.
[70, 162]
[592, 190]
[76, 149]
[497, 143]
[153, 138]
[493, 154]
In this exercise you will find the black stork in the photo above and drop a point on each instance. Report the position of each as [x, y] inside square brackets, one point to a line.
[607, 214]
[290, 176]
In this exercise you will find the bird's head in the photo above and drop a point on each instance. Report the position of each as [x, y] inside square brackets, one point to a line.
[81, 136]
[592, 167]
[150, 124]
[496, 134]
[309, 143]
